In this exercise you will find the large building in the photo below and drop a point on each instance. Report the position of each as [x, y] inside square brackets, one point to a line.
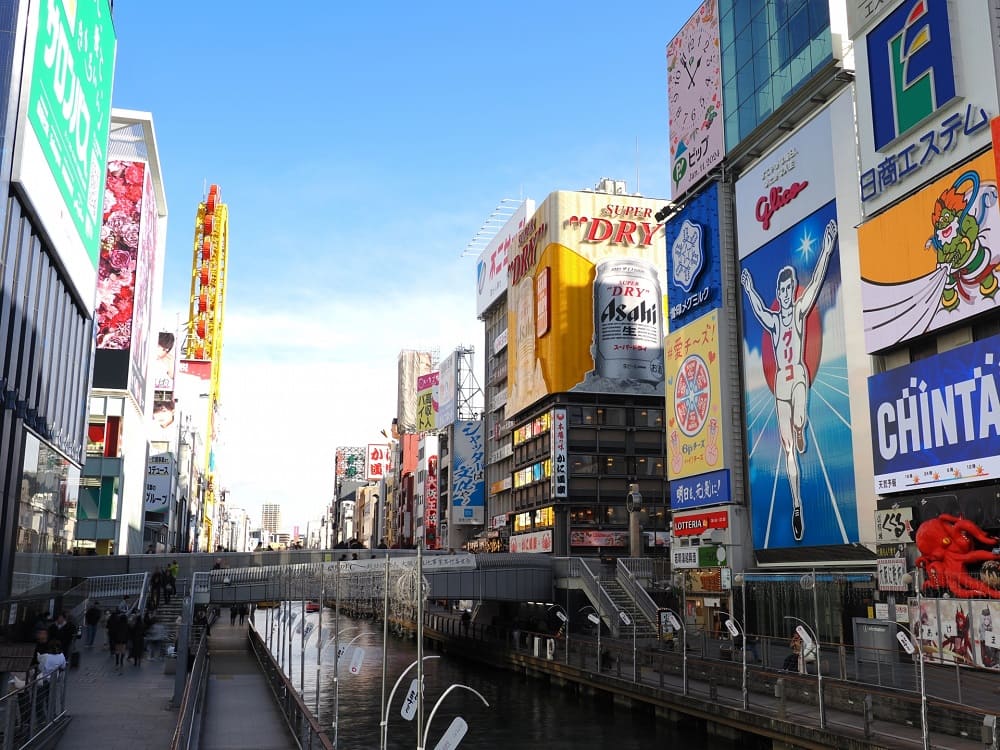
[50, 246]
[270, 518]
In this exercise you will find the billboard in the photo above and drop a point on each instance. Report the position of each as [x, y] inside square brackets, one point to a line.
[924, 94]
[411, 364]
[468, 484]
[694, 94]
[427, 401]
[800, 462]
[447, 391]
[491, 268]
[63, 122]
[378, 461]
[560, 458]
[431, 504]
[694, 399]
[350, 463]
[937, 420]
[164, 363]
[585, 299]
[159, 472]
[694, 258]
[930, 261]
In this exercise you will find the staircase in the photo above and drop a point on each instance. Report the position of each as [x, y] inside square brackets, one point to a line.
[167, 615]
[643, 627]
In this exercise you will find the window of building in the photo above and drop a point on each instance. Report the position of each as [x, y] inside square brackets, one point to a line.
[649, 417]
[615, 514]
[614, 466]
[47, 507]
[581, 515]
[580, 463]
[613, 416]
[649, 467]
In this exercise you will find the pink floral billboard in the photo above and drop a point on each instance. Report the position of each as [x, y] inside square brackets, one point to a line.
[116, 268]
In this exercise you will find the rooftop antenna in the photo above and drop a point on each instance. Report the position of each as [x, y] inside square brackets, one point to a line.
[637, 190]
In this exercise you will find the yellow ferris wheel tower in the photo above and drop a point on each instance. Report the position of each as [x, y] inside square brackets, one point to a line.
[204, 340]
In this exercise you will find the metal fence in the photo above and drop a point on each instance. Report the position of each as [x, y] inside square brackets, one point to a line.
[28, 712]
[191, 711]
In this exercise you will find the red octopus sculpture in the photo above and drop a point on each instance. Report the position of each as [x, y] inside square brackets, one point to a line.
[946, 545]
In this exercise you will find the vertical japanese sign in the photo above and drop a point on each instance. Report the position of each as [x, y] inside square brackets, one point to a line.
[694, 277]
[560, 469]
[431, 504]
[427, 401]
[468, 488]
[694, 93]
[159, 472]
[377, 461]
[694, 424]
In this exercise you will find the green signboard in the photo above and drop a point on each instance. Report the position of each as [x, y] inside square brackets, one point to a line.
[63, 152]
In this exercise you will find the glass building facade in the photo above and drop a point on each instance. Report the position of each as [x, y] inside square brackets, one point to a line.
[769, 49]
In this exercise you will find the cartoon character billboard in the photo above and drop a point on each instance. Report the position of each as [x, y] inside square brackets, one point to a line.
[694, 258]
[931, 261]
[800, 462]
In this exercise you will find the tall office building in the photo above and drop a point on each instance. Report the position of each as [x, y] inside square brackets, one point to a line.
[270, 518]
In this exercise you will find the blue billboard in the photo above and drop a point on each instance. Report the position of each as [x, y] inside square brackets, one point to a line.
[711, 488]
[468, 483]
[693, 259]
[937, 421]
[800, 462]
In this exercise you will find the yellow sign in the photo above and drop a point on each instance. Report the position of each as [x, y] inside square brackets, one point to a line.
[930, 261]
[694, 399]
[584, 300]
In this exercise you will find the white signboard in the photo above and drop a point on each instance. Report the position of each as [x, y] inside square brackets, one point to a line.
[409, 709]
[447, 391]
[791, 182]
[890, 574]
[536, 541]
[491, 268]
[378, 461]
[684, 557]
[894, 526]
[454, 734]
[159, 473]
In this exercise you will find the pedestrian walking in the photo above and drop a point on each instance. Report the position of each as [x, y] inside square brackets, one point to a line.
[91, 619]
[62, 631]
[233, 611]
[137, 639]
[118, 635]
[244, 611]
[466, 621]
[155, 587]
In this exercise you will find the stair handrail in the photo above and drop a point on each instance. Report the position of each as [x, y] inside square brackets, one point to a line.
[598, 595]
[639, 596]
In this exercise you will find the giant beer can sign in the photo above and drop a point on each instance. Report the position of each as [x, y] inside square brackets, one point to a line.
[628, 321]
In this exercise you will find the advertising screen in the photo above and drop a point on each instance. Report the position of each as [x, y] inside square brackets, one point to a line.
[585, 299]
[694, 259]
[800, 462]
[468, 489]
[930, 261]
[694, 93]
[937, 421]
[62, 139]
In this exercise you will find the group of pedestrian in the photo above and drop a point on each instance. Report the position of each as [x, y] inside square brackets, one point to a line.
[127, 636]
[238, 610]
[54, 636]
[163, 583]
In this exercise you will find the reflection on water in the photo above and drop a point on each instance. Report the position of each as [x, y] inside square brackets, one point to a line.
[523, 712]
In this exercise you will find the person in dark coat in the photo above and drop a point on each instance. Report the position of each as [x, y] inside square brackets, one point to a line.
[137, 638]
[118, 636]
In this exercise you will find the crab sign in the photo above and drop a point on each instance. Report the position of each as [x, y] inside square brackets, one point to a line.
[947, 546]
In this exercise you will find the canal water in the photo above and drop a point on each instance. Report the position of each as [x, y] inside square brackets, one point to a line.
[523, 712]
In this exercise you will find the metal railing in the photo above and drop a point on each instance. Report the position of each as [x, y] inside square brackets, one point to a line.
[191, 710]
[636, 592]
[579, 568]
[109, 589]
[28, 712]
[303, 725]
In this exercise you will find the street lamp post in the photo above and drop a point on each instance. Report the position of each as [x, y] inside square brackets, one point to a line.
[915, 579]
[427, 731]
[596, 620]
[677, 623]
[564, 619]
[388, 704]
[735, 628]
[918, 651]
[627, 620]
[805, 630]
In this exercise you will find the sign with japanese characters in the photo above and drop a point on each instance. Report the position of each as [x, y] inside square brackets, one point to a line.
[159, 473]
[890, 573]
[491, 268]
[377, 461]
[535, 541]
[694, 399]
[694, 93]
[930, 260]
[595, 538]
[696, 524]
[431, 504]
[936, 421]
[700, 491]
[560, 467]
[427, 401]
[468, 486]
[925, 97]
[894, 526]
[694, 259]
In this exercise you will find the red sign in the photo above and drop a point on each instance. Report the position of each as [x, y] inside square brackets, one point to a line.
[777, 198]
[699, 523]
[598, 538]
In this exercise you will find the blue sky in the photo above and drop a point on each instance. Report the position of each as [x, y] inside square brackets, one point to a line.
[359, 147]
